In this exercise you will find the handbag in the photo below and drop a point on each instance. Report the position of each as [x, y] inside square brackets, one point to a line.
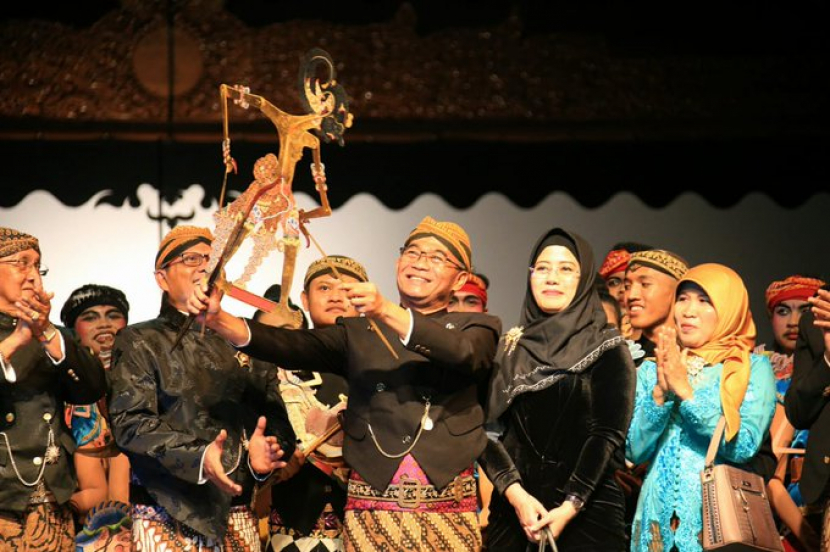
[736, 511]
[546, 540]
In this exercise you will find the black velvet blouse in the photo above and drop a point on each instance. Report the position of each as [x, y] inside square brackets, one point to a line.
[565, 440]
[567, 433]
[563, 393]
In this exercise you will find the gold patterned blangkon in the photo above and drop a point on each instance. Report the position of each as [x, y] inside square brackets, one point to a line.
[13, 241]
[662, 260]
[451, 234]
[342, 264]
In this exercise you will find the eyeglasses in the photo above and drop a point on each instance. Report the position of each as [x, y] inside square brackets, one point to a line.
[190, 259]
[25, 265]
[435, 258]
[565, 271]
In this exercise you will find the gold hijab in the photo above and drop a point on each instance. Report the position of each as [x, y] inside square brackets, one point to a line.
[733, 339]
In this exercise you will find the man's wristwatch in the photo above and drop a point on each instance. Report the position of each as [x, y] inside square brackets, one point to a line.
[577, 502]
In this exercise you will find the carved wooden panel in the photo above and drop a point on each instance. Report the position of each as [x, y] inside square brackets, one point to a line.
[117, 71]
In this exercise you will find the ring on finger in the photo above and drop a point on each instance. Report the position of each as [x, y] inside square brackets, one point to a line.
[35, 315]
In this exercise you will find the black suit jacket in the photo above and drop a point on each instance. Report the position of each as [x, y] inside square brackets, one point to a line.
[806, 405]
[448, 355]
[31, 406]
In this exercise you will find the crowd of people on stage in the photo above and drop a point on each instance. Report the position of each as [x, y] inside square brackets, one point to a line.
[363, 422]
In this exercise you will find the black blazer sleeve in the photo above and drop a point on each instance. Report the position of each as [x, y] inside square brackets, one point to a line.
[325, 349]
[806, 397]
[137, 424]
[83, 377]
[470, 351]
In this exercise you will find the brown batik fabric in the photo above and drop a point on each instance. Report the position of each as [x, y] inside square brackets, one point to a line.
[325, 536]
[656, 544]
[156, 530]
[44, 527]
[378, 530]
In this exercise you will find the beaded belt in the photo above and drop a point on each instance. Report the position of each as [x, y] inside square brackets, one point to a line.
[411, 493]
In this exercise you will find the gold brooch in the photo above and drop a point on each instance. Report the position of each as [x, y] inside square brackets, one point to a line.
[511, 339]
[243, 359]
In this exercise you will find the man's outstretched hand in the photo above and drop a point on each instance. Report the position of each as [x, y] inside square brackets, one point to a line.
[213, 469]
[264, 451]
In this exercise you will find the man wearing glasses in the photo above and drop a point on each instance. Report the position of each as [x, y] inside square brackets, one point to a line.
[40, 368]
[193, 421]
[413, 425]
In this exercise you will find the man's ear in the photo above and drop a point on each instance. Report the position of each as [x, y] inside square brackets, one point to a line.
[161, 280]
[460, 279]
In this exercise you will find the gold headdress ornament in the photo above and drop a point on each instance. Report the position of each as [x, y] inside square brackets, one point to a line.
[267, 207]
[13, 241]
[659, 259]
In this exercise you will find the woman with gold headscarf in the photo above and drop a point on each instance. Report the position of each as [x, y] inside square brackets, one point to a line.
[704, 369]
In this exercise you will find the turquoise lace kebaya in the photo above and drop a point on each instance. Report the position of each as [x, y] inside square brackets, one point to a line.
[674, 437]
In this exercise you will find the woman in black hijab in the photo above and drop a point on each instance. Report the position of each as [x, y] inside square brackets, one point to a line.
[562, 395]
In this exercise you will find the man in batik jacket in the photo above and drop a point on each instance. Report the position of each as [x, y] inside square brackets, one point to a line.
[193, 420]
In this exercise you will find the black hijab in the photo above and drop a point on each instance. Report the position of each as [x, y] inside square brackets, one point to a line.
[545, 347]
